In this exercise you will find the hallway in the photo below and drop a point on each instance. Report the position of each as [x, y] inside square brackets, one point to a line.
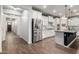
[13, 44]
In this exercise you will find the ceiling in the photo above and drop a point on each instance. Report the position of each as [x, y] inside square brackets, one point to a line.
[57, 10]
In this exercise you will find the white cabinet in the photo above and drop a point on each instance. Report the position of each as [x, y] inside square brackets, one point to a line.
[57, 23]
[51, 22]
[39, 15]
[45, 20]
[63, 24]
[50, 19]
[74, 21]
[36, 14]
[59, 38]
[58, 20]
[47, 32]
[73, 24]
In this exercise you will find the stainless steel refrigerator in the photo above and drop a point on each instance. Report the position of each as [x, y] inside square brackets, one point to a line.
[36, 30]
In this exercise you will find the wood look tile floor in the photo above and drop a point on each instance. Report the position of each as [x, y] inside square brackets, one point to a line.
[15, 45]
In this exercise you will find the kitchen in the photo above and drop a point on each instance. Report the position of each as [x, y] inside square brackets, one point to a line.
[57, 26]
[41, 26]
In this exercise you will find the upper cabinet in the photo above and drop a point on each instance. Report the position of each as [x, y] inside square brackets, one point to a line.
[39, 15]
[74, 21]
[57, 20]
[36, 14]
[45, 20]
[63, 24]
[50, 19]
[51, 22]
[64, 21]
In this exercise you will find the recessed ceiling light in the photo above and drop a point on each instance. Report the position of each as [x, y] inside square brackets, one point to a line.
[74, 10]
[18, 9]
[44, 6]
[71, 6]
[54, 11]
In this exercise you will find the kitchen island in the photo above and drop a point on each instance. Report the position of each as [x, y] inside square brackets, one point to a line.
[65, 38]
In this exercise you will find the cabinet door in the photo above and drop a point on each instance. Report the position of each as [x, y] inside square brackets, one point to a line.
[34, 14]
[39, 15]
[45, 20]
[63, 24]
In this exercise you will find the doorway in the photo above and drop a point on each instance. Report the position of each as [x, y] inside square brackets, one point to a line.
[9, 28]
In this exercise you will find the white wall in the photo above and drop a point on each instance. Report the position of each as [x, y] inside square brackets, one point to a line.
[30, 27]
[15, 24]
[24, 26]
[2, 27]
[0, 32]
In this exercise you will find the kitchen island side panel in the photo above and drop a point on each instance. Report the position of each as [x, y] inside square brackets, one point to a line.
[59, 38]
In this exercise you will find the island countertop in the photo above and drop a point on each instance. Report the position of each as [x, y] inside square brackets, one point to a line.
[65, 31]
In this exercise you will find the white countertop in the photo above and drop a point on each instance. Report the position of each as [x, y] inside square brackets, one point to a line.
[64, 31]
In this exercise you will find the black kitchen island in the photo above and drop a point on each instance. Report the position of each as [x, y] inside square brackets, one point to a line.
[65, 38]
